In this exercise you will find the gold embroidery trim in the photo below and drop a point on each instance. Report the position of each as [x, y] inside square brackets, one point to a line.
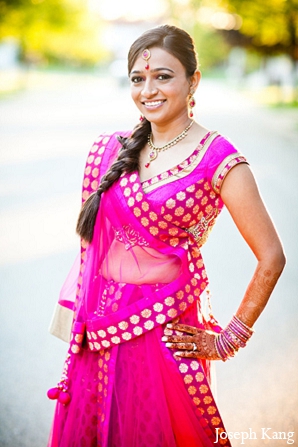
[129, 237]
[200, 231]
[220, 168]
[187, 170]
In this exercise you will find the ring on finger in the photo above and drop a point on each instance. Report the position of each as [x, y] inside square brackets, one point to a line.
[195, 348]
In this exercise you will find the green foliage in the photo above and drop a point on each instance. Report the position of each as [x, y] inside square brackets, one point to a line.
[270, 26]
[212, 48]
[53, 30]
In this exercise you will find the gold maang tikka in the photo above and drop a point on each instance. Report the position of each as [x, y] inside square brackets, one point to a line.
[146, 56]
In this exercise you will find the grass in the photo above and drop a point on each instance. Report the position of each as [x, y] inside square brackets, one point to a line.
[286, 105]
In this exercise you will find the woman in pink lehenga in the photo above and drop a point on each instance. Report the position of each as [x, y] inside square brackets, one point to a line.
[137, 372]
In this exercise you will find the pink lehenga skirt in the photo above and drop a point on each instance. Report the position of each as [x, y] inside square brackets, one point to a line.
[131, 395]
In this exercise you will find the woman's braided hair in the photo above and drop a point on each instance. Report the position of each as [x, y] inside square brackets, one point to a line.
[176, 42]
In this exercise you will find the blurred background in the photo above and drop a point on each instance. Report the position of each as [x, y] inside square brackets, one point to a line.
[63, 81]
[252, 42]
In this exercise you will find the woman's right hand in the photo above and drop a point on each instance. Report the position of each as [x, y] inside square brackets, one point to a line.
[196, 343]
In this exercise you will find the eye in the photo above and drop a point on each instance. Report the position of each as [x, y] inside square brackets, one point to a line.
[163, 77]
[136, 79]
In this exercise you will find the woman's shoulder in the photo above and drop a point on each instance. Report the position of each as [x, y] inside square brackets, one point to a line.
[100, 157]
[222, 146]
[222, 156]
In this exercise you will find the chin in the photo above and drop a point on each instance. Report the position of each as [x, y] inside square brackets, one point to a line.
[156, 118]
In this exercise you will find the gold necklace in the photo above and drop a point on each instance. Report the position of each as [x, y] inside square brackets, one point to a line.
[155, 150]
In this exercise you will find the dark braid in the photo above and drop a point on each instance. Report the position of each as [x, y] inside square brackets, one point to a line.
[127, 161]
[178, 43]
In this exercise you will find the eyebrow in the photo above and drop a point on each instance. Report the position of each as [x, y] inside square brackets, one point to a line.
[153, 71]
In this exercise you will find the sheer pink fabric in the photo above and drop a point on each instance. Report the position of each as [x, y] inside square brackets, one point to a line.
[68, 291]
[142, 269]
[145, 403]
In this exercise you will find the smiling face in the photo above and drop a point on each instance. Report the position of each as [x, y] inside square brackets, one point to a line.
[161, 92]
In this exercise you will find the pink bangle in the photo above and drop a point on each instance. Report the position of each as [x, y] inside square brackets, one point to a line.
[232, 338]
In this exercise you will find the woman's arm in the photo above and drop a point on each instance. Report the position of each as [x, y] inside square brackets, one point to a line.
[241, 197]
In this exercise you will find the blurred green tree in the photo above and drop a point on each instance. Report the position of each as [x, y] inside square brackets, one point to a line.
[268, 26]
[212, 49]
[55, 31]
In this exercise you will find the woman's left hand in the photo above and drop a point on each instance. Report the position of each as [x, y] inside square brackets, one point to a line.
[197, 343]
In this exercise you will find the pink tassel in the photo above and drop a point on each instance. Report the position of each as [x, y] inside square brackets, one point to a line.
[53, 393]
[64, 398]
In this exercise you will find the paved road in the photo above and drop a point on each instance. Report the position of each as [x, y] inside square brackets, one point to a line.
[45, 134]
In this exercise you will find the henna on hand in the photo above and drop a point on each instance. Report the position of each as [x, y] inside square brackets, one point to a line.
[192, 342]
[200, 344]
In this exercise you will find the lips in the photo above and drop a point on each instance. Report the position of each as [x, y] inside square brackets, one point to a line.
[153, 104]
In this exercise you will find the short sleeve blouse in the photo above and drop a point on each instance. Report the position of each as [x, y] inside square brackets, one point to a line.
[221, 157]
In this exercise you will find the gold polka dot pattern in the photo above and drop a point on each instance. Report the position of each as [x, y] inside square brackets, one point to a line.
[199, 390]
[90, 184]
[215, 421]
[188, 379]
[211, 409]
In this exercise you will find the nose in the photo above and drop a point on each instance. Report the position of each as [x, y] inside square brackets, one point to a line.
[149, 88]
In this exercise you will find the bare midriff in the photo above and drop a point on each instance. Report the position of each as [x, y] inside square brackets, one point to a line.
[139, 265]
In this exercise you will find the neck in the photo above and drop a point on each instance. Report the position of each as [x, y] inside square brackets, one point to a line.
[162, 133]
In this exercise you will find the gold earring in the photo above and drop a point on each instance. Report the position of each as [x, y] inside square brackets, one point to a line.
[191, 105]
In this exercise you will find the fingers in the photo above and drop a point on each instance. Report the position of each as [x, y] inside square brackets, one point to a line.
[179, 339]
[188, 354]
[187, 346]
[201, 344]
[183, 328]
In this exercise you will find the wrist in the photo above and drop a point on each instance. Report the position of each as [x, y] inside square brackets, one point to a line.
[232, 338]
